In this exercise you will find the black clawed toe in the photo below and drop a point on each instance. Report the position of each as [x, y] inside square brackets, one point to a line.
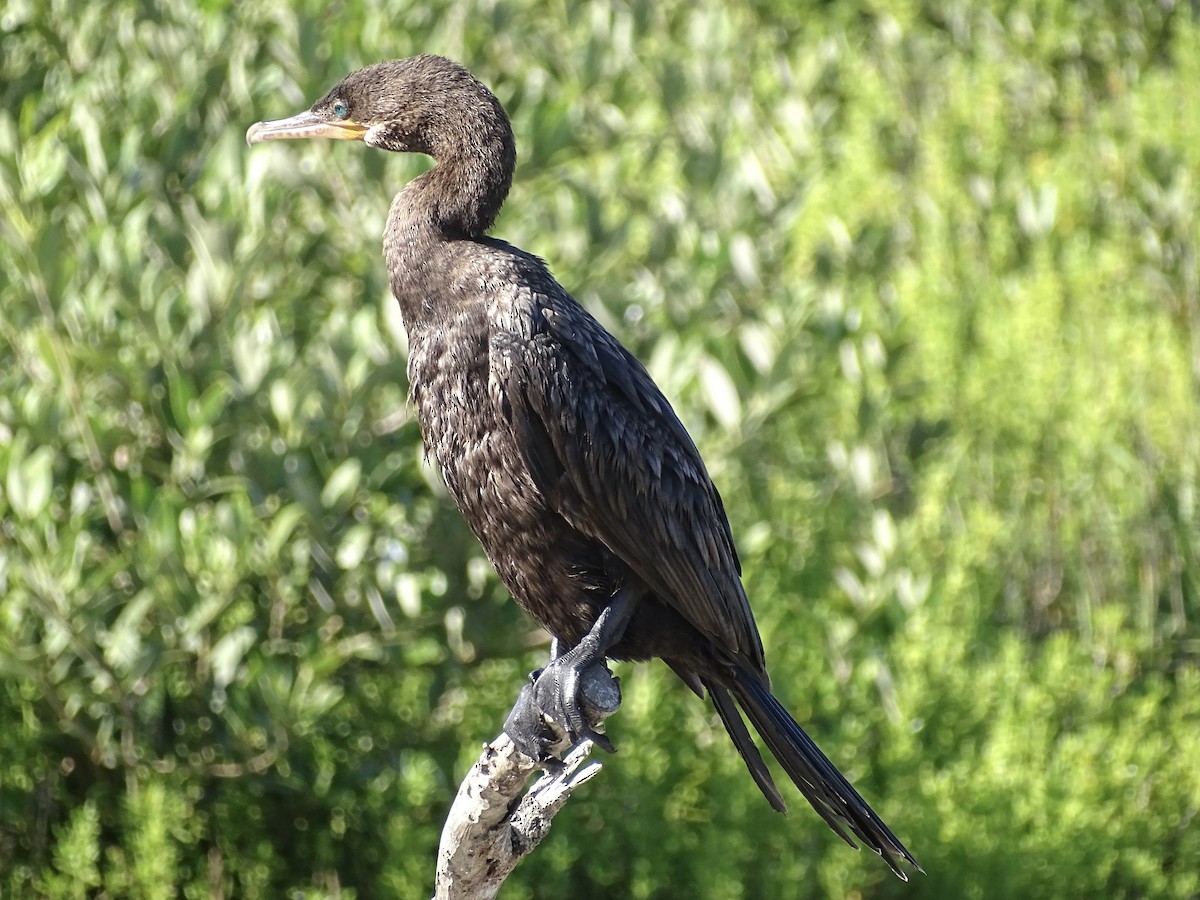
[548, 716]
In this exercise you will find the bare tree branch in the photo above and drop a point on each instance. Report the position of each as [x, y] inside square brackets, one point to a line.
[488, 830]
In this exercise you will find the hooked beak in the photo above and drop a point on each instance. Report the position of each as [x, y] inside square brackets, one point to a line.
[305, 125]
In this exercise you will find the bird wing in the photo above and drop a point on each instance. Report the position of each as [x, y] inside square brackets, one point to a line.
[607, 451]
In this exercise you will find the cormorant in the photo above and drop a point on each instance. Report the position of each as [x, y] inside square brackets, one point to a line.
[566, 460]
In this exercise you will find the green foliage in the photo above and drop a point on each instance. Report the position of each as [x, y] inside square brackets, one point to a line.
[921, 281]
[76, 852]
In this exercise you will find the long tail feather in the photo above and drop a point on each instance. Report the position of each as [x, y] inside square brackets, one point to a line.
[830, 794]
[732, 719]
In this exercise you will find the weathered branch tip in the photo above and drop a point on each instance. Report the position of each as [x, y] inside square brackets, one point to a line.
[488, 831]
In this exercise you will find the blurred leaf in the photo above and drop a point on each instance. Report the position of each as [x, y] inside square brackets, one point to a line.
[342, 483]
[29, 481]
[124, 641]
[228, 652]
[282, 526]
[353, 547]
[720, 393]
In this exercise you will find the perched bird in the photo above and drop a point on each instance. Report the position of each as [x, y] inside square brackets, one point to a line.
[566, 460]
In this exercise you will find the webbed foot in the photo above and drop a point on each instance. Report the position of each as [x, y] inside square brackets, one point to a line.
[551, 715]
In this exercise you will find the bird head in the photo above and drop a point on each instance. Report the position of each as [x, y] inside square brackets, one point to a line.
[423, 104]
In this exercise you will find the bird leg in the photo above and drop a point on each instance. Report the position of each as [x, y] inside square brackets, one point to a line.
[548, 715]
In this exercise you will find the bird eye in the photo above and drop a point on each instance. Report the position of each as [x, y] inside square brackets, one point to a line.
[341, 110]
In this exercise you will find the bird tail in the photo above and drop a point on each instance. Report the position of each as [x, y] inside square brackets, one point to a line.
[830, 794]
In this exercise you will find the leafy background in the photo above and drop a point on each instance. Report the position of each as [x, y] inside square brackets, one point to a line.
[922, 281]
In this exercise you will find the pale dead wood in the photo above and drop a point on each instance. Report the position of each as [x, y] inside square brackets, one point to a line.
[491, 827]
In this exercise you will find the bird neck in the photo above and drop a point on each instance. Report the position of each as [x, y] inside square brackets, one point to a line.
[475, 155]
[455, 202]
[461, 196]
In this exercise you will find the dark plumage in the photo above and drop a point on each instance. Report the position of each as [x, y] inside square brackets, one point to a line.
[564, 457]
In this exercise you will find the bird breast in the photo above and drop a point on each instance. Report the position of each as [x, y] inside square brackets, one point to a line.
[553, 572]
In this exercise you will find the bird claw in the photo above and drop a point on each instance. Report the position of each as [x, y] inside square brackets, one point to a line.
[548, 718]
